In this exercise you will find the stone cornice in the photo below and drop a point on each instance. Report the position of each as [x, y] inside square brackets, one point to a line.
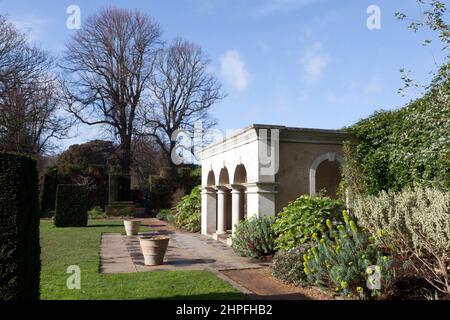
[287, 134]
[246, 136]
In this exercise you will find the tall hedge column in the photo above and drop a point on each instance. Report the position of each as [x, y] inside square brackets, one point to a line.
[19, 228]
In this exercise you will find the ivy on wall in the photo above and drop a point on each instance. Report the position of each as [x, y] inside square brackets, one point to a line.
[408, 146]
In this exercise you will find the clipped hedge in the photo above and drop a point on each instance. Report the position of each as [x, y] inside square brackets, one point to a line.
[71, 206]
[19, 228]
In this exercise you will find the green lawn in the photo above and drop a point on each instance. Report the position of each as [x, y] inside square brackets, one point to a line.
[61, 247]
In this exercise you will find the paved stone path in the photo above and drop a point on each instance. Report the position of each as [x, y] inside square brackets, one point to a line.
[186, 251]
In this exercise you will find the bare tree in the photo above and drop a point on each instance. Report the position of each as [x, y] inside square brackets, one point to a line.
[11, 43]
[109, 63]
[30, 113]
[182, 92]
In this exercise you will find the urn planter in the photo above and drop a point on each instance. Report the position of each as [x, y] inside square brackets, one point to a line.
[131, 227]
[154, 248]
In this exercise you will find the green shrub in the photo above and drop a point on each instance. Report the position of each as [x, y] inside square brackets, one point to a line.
[415, 222]
[288, 265]
[71, 206]
[303, 218]
[19, 228]
[188, 211]
[342, 260]
[96, 213]
[254, 237]
[166, 215]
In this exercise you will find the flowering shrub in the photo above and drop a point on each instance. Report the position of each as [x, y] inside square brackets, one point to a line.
[346, 259]
[415, 223]
[254, 237]
[303, 218]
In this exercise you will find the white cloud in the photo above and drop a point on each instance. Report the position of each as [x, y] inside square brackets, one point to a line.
[314, 62]
[233, 70]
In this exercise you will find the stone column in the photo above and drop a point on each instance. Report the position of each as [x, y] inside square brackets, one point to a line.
[208, 210]
[221, 210]
[237, 198]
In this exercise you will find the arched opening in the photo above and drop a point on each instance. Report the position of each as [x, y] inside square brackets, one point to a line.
[224, 219]
[224, 178]
[324, 174]
[211, 180]
[239, 180]
[240, 174]
[328, 176]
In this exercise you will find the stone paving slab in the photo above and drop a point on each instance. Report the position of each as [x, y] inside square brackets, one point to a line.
[114, 256]
[186, 251]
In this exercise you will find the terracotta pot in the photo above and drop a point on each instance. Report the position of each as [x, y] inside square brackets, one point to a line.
[132, 227]
[154, 248]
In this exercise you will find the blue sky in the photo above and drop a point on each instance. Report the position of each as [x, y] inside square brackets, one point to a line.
[303, 63]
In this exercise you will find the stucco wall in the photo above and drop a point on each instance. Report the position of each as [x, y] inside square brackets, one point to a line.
[295, 161]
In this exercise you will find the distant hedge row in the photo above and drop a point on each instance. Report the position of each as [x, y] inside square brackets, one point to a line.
[71, 206]
[19, 228]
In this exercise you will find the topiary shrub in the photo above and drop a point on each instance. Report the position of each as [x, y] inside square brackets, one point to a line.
[344, 260]
[188, 211]
[71, 206]
[414, 223]
[303, 218]
[254, 237]
[19, 228]
[288, 265]
[166, 215]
